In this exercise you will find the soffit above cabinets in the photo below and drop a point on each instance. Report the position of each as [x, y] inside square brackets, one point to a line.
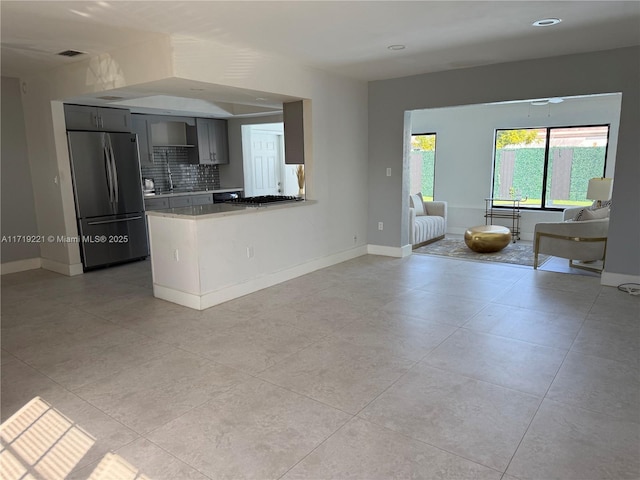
[174, 96]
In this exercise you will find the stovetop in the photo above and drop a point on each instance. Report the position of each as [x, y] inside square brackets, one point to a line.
[263, 199]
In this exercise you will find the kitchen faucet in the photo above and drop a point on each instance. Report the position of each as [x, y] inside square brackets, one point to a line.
[169, 174]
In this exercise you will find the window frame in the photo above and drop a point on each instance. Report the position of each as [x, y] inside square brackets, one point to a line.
[435, 156]
[545, 169]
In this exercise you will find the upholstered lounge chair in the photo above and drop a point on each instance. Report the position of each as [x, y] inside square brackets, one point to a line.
[427, 221]
[583, 240]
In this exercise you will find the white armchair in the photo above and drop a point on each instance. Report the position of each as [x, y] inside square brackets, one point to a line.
[584, 240]
[427, 221]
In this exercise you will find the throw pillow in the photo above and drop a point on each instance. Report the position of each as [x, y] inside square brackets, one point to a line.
[578, 216]
[603, 204]
[415, 201]
[594, 214]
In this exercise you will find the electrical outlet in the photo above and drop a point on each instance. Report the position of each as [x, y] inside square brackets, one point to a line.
[380, 226]
[250, 252]
[355, 238]
[176, 255]
[388, 172]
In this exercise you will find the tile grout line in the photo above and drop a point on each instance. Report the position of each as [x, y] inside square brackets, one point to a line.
[74, 394]
[317, 446]
[408, 437]
[544, 397]
[356, 415]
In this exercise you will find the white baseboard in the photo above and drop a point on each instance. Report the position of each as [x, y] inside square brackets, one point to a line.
[20, 265]
[45, 263]
[615, 279]
[206, 300]
[63, 268]
[175, 296]
[398, 252]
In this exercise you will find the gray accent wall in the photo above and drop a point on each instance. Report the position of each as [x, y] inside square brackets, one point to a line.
[18, 210]
[583, 74]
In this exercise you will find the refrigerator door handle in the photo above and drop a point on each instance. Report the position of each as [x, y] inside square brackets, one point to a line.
[115, 171]
[103, 222]
[107, 168]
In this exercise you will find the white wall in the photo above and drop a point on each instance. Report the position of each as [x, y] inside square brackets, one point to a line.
[336, 171]
[464, 149]
[18, 210]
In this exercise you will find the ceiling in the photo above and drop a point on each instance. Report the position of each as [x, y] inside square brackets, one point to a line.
[349, 38]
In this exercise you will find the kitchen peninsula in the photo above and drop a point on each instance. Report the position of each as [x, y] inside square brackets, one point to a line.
[208, 254]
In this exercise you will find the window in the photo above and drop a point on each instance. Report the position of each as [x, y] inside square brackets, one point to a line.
[548, 168]
[423, 162]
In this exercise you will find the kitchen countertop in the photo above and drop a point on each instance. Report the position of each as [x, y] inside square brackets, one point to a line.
[191, 192]
[200, 212]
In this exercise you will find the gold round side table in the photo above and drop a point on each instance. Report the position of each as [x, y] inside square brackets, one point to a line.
[487, 238]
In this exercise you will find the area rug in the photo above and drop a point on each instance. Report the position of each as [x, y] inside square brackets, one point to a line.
[515, 253]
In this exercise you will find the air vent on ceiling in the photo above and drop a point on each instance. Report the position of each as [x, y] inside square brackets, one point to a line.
[111, 98]
[71, 53]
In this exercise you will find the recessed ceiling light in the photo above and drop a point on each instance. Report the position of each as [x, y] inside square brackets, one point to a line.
[261, 99]
[546, 101]
[539, 103]
[396, 47]
[546, 22]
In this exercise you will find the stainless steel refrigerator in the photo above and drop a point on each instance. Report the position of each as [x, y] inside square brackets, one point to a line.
[108, 194]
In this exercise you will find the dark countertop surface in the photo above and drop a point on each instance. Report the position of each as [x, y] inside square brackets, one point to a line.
[180, 193]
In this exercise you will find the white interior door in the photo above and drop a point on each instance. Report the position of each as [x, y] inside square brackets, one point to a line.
[266, 169]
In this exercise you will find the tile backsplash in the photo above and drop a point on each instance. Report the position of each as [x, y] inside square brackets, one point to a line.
[185, 175]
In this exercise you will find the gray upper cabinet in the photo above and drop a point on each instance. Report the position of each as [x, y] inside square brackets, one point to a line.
[140, 125]
[213, 144]
[83, 117]
[295, 142]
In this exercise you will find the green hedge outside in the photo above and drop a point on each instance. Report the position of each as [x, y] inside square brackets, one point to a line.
[588, 162]
[428, 172]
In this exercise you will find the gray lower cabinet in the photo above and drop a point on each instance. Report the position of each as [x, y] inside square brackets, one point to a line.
[177, 202]
[156, 203]
[84, 117]
[204, 199]
[213, 143]
[163, 203]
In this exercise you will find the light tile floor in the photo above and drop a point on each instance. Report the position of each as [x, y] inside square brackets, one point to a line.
[422, 367]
